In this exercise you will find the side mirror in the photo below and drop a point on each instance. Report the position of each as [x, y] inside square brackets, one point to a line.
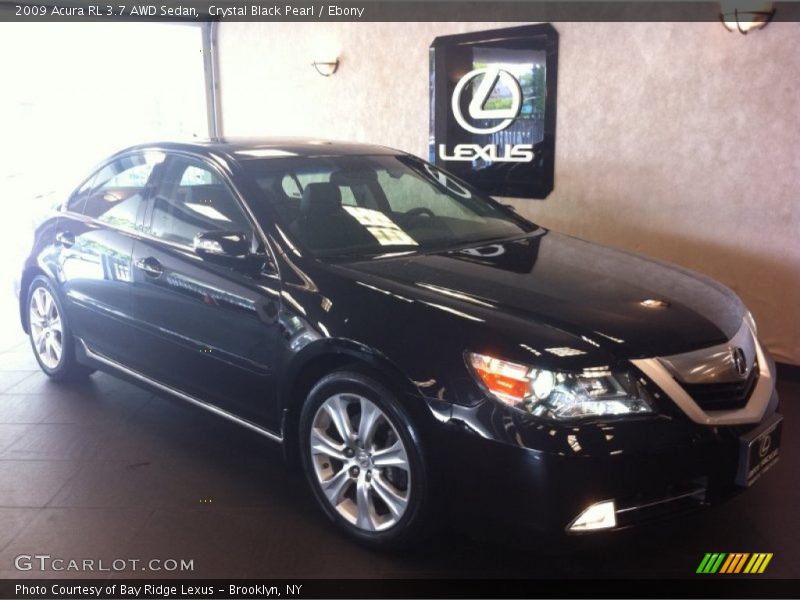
[222, 244]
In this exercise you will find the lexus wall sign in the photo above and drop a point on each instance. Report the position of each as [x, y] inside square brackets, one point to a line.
[493, 108]
[503, 117]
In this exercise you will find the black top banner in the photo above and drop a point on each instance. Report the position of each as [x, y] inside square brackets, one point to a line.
[376, 10]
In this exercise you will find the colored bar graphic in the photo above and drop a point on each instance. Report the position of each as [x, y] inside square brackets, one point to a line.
[734, 563]
[724, 563]
[716, 565]
[703, 563]
[749, 566]
[757, 566]
[764, 564]
[741, 562]
[711, 562]
[728, 561]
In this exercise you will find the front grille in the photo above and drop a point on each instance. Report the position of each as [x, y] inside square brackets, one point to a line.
[723, 396]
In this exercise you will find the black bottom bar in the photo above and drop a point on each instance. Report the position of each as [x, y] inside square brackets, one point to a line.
[702, 586]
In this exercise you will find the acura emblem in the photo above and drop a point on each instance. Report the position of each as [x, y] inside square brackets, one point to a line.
[739, 361]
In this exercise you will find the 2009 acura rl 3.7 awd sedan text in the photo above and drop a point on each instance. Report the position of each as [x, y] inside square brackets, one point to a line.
[412, 343]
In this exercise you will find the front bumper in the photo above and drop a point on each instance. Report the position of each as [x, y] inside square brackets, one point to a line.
[501, 468]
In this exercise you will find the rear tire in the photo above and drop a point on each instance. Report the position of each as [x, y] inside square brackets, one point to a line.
[363, 459]
[50, 334]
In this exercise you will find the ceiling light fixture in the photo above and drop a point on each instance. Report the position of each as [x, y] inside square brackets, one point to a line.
[745, 17]
[326, 68]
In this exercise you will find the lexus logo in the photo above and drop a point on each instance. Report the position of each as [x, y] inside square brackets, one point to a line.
[476, 110]
[764, 446]
[739, 361]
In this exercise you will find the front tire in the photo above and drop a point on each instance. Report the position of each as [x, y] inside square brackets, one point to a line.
[363, 459]
[50, 335]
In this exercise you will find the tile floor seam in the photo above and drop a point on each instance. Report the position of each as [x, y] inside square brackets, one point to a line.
[21, 529]
[30, 374]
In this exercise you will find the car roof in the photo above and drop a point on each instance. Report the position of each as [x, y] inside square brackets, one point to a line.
[272, 147]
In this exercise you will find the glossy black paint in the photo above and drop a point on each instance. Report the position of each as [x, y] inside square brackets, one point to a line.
[208, 330]
[250, 337]
[95, 269]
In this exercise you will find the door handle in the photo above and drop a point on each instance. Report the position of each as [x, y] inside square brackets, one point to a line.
[150, 266]
[65, 238]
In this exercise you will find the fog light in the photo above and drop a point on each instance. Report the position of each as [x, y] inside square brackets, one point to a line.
[601, 515]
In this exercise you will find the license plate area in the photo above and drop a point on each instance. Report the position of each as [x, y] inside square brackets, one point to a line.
[759, 450]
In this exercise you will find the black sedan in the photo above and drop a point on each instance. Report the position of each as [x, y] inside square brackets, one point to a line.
[422, 350]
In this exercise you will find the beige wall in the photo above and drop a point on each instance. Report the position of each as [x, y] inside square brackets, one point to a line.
[676, 140]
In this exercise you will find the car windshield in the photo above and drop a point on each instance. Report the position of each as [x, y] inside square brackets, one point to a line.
[362, 206]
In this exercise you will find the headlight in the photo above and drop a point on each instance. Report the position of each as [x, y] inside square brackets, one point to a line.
[561, 395]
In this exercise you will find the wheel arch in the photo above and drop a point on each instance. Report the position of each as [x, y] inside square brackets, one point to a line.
[317, 360]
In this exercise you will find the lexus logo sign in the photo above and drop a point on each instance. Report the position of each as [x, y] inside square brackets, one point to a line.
[493, 113]
[491, 77]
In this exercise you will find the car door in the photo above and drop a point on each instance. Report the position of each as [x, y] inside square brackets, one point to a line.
[206, 328]
[94, 245]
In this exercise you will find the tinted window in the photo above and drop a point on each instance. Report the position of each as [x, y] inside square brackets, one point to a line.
[408, 192]
[192, 199]
[294, 183]
[114, 194]
[369, 205]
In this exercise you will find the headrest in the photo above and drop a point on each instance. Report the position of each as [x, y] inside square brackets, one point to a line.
[320, 199]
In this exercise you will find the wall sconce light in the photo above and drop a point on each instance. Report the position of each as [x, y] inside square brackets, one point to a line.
[326, 68]
[737, 16]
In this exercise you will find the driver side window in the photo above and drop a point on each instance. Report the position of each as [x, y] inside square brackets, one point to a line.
[192, 199]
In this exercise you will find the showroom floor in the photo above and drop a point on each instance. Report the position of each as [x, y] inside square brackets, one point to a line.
[105, 470]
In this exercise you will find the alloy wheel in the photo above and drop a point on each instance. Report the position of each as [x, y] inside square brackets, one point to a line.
[360, 462]
[46, 328]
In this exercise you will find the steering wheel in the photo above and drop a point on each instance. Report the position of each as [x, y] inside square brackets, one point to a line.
[420, 210]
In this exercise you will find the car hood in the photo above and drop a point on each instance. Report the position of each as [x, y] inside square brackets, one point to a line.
[593, 292]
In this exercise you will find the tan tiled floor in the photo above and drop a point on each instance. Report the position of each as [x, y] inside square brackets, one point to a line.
[106, 470]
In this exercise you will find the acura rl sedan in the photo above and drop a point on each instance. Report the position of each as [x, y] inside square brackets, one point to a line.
[423, 351]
